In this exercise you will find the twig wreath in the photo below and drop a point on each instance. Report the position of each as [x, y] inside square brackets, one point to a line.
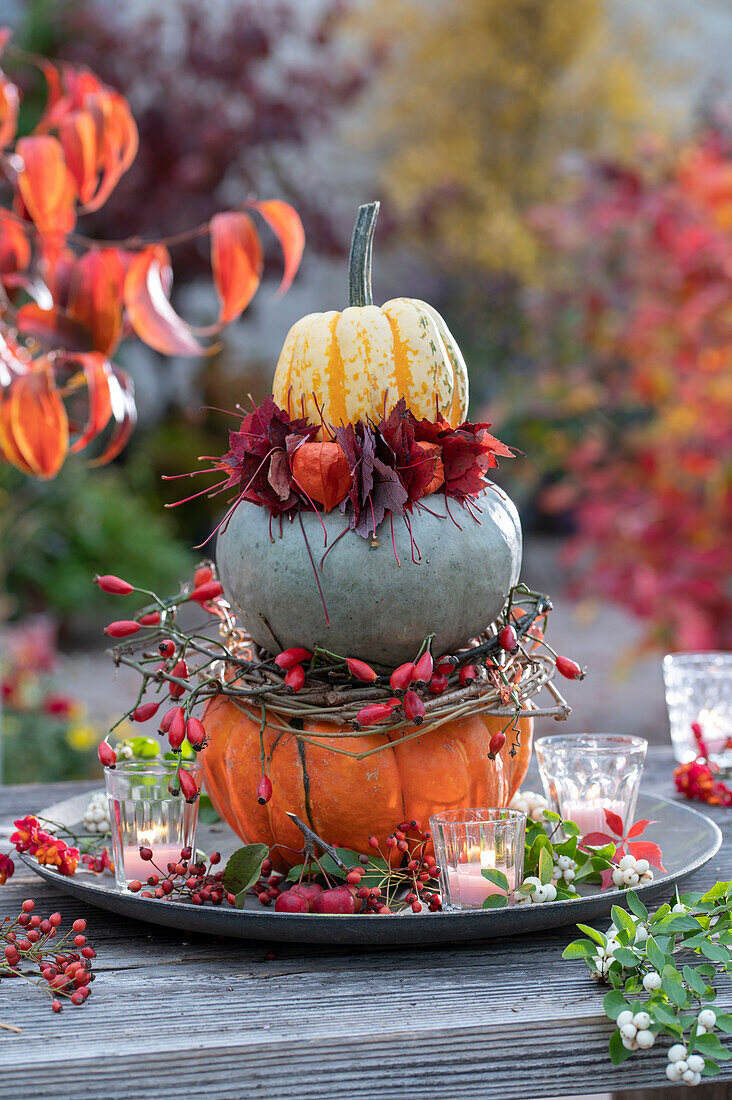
[500, 673]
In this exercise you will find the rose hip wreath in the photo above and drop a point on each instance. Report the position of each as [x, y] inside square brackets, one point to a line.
[498, 673]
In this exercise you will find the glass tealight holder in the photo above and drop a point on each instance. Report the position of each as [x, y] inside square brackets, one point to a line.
[468, 842]
[699, 689]
[585, 774]
[143, 813]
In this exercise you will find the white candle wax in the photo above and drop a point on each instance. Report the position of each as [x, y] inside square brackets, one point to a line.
[589, 815]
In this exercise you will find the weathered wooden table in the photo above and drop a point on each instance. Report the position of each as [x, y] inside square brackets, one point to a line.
[228, 1020]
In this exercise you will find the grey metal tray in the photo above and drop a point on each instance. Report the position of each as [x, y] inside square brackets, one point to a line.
[687, 837]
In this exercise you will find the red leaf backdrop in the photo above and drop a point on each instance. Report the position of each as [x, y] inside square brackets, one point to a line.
[67, 301]
[638, 330]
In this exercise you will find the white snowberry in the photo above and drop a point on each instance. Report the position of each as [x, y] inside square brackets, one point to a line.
[690, 1077]
[645, 1039]
[529, 803]
[626, 863]
[629, 1044]
[642, 1020]
[678, 908]
[707, 1018]
[96, 815]
[618, 879]
[695, 1062]
[631, 878]
[628, 1031]
[672, 1072]
[677, 1052]
[652, 981]
[625, 1017]
[550, 892]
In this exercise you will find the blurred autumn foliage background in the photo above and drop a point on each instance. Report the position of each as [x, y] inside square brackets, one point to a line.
[555, 177]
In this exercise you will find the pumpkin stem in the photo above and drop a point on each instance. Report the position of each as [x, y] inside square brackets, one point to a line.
[359, 265]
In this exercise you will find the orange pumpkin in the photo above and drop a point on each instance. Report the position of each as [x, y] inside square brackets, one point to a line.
[345, 800]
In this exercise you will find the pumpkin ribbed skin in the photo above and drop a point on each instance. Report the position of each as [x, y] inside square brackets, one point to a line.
[343, 799]
[355, 365]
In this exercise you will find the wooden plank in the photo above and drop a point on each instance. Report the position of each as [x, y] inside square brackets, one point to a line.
[223, 1020]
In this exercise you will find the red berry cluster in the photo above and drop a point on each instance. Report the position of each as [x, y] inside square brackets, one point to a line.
[187, 880]
[699, 779]
[66, 972]
[405, 874]
[98, 862]
[266, 889]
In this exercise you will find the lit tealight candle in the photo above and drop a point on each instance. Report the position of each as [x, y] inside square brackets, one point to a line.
[163, 854]
[589, 814]
[468, 887]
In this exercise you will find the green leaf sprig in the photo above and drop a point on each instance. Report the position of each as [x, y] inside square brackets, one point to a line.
[662, 970]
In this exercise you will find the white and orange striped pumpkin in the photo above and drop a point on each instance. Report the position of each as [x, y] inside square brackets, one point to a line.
[357, 364]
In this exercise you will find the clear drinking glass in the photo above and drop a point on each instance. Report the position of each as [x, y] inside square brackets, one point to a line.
[699, 689]
[142, 811]
[585, 774]
[467, 842]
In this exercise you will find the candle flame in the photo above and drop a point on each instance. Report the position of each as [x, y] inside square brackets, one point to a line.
[147, 837]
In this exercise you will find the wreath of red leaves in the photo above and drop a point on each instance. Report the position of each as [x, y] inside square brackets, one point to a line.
[392, 464]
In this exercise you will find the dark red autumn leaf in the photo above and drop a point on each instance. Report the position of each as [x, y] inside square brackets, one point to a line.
[257, 461]
[415, 460]
[639, 827]
[284, 221]
[387, 495]
[376, 487]
[430, 457]
[236, 261]
[148, 309]
[278, 475]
